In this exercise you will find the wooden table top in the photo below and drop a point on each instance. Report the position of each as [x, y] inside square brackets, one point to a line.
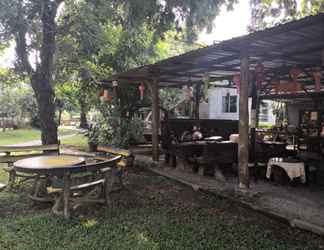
[213, 138]
[48, 162]
[273, 142]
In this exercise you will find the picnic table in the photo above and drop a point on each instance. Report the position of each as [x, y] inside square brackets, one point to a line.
[62, 166]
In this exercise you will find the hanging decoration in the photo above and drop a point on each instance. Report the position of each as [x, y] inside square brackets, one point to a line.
[237, 82]
[259, 75]
[104, 96]
[115, 86]
[141, 89]
[187, 92]
[206, 80]
[294, 74]
[317, 77]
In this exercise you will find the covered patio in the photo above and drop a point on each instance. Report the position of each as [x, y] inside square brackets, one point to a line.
[287, 53]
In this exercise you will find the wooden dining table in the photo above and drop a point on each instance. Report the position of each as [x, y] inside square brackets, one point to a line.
[46, 167]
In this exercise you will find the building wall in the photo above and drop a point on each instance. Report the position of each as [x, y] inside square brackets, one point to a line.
[215, 104]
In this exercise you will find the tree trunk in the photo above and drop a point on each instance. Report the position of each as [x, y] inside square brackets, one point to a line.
[41, 74]
[83, 115]
[46, 109]
[41, 79]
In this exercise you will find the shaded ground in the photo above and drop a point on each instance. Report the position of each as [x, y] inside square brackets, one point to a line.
[155, 213]
[292, 203]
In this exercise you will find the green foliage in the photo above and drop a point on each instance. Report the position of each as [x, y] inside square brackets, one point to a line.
[112, 128]
[169, 98]
[267, 13]
[18, 103]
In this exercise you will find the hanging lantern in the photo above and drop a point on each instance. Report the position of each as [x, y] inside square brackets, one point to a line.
[259, 74]
[317, 77]
[104, 95]
[237, 81]
[294, 74]
[187, 92]
[141, 89]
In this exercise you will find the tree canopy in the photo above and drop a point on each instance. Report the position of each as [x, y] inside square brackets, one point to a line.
[59, 38]
[267, 13]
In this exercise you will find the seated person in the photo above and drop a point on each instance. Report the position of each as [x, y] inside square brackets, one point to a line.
[196, 135]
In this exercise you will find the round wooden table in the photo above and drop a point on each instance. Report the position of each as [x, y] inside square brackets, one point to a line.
[48, 164]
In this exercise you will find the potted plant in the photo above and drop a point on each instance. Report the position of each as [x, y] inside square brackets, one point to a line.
[93, 137]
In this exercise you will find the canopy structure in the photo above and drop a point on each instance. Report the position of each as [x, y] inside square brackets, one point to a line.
[291, 56]
[298, 43]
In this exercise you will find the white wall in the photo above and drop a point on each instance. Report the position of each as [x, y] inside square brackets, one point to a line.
[215, 96]
[215, 106]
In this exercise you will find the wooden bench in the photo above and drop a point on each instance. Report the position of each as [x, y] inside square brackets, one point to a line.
[127, 157]
[94, 186]
[10, 154]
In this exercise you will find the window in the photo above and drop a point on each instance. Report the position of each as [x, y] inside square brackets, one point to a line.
[264, 112]
[229, 104]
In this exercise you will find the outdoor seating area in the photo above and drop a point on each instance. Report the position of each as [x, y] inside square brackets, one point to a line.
[63, 179]
[162, 124]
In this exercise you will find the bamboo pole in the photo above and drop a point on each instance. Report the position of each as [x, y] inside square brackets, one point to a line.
[244, 181]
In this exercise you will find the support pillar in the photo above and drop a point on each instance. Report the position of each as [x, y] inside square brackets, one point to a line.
[253, 124]
[244, 181]
[197, 100]
[155, 120]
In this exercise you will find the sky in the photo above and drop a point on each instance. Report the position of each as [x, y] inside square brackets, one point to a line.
[227, 25]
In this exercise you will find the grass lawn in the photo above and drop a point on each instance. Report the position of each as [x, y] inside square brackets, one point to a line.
[25, 135]
[78, 141]
[154, 213]
[18, 136]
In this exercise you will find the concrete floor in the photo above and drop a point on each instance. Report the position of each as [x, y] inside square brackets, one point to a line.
[301, 206]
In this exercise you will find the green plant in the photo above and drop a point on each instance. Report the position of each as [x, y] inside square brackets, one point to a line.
[93, 134]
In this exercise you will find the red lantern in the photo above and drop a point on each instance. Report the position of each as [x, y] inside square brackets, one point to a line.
[294, 73]
[317, 77]
[237, 81]
[141, 89]
[104, 95]
[259, 74]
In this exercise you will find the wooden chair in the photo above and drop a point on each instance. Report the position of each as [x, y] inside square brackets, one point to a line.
[10, 154]
[126, 161]
[90, 183]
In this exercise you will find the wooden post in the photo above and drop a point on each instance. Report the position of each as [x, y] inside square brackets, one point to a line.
[155, 119]
[253, 123]
[66, 194]
[244, 181]
[197, 100]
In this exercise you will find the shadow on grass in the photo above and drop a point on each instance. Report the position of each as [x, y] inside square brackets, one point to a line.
[153, 213]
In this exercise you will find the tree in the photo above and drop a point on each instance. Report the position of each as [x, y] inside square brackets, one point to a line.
[266, 13]
[33, 26]
[31, 23]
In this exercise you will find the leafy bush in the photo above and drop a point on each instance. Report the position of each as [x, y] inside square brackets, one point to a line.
[113, 130]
